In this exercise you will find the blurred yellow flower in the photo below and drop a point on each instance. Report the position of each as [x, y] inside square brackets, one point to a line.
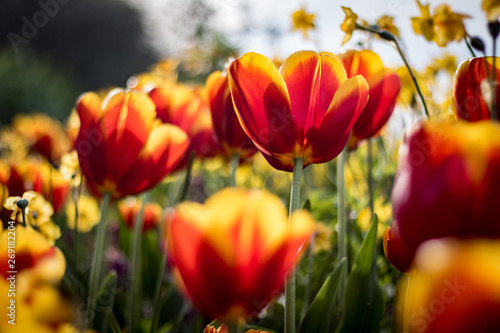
[322, 237]
[40, 218]
[12, 145]
[491, 8]
[386, 23]
[70, 168]
[383, 209]
[407, 92]
[349, 23]
[88, 213]
[447, 63]
[442, 27]
[303, 21]
[11, 203]
[163, 73]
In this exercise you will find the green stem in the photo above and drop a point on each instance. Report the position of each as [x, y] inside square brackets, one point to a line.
[23, 213]
[182, 194]
[235, 161]
[76, 196]
[341, 219]
[135, 255]
[471, 50]
[298, 164]
[369, 178]
[96, 269]
[163, 262]
[390, 37]
[310, 265]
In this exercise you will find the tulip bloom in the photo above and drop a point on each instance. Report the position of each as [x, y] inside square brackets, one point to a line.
[40, 306]
[129, 209]
[43, 134]
[233, 253]
[453, 288]
[447, 185]
[189, 109]
[384, 89]
[231, 137]
[470, 80]
[304, 110]
[122, 148]
[50, 183]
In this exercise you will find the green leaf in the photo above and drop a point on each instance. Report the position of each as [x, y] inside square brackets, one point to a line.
[363, 303]
[317, 317]
[306, 205]
[104, 302]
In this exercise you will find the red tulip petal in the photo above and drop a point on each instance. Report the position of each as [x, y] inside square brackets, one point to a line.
[331, 136]
[384, 88]
[88, 107]
[311, 81]
[262, 103]
[166, 146]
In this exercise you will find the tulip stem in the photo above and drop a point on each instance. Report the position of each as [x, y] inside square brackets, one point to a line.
[235, 161]
[390, 37]
[341, 220]
[135, 256]
[298, 164]
[235, 327]
[163, 262]
[471, 50]
[96, 269]
[369, 178]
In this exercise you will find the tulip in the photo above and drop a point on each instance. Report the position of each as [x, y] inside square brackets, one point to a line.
[305, 110]
[40, 306]
[447, 185]
[50, 183]
[189, 109]
[227, 128]
[470, 89]
[384, 88]
[129, 209]
[43, 134]
[122, 148]
[453, 288]
[233, 253]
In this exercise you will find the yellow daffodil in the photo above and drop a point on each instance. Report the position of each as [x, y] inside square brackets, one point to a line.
[88, 213]
[303, 21]
[491, 8]
[40, 218]
[322, 237]
[442, 27]
[349, 23]
[383, 209]
[386, 23]
[11, 203]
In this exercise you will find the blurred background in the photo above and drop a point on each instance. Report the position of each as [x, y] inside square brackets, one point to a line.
[53, 50]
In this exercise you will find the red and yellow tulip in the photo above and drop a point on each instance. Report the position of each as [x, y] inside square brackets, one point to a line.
[227, 128]
[234, 252]
[384, 88]
[189, 109]
[470, 89]
[129, 209]
[305, 110]
[453, 288]
[122, 148]
[50, 183]
[40, 306]
[447, 185]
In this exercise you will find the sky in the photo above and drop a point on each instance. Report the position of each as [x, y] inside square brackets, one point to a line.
[248, 25]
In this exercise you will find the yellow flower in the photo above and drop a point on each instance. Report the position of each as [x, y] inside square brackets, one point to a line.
[70, 168]
[383, 209]
[303, 21]
[442, 27]
[11, 203]
[40, 218]
[12, 145]
[349, 23]
[386, 23]
[322, 237]
[407, 93]
[88, 213]
[491, 8]
[447, 62]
